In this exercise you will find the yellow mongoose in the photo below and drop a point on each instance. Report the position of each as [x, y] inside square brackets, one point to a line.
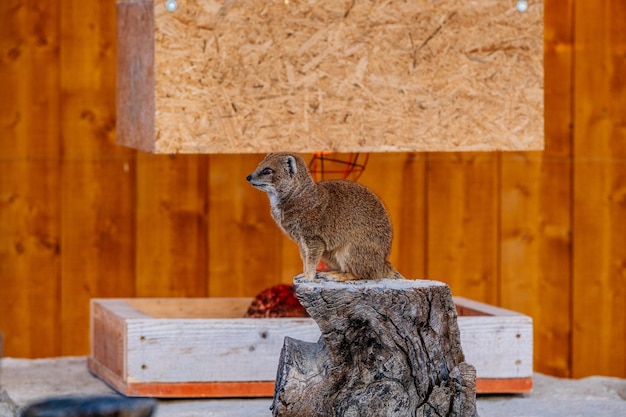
[339, 222]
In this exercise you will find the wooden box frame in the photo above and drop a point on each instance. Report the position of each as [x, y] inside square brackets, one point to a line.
[204, 348]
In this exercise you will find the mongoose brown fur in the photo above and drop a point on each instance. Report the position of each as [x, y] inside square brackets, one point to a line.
[339, 222]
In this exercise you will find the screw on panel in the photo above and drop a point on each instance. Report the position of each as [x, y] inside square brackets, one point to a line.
[171, 5]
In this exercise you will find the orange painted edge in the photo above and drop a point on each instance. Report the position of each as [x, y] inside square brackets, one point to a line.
[504, 385]
[247, 389]
[266, 388]
[244, 389]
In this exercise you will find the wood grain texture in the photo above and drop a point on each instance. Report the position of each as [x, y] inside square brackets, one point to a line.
[487, 332]
[535, 251]
[388, 347]
[498, 347]
[462, 223]
[334, 76]
[97, 196]
[232, 389]
[171, 192]
[506, 386]
[246, 250]
[536, 224]
[498, 343]
[599, 201]
[247, 348]
[30, 178]
[107, 328]
[69, 197]
[405, 204]
[535, 214]
[135, 74]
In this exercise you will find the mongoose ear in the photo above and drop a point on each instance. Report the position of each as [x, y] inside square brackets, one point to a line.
[291, 166]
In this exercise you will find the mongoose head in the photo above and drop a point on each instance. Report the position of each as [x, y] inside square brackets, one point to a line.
[281, 174]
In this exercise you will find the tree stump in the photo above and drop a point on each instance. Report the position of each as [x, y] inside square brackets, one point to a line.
[388, 348]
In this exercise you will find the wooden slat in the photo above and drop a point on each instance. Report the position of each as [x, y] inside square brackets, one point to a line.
[215, 307]
[535, 239]
[29, 178]
[399, 180]
[108, 339]
[262, 388]
[599, 267]
[135, 94]
[98, 177]
[245, 242]
[203, 390]
[535, 252]
[228, 349]
[504, 385]
[236, 389]
[498, 342]
[171, 209]
[462, 218]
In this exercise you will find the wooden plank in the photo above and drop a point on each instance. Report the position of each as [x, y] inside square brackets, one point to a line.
[399, 180]
[217, 307]
[469, 307]
[504, 386]
[535, 210]
[499, 347]
[246, 244]
[535, 251]
[462, 217]
[546, 208]
[235, 389]
[498, 342]
[98, 177]
[29, 178]
[135, 74]
[535, 265]
[599, 216]
[198, 330]
[334, 82]
[108, 337]
[262, 388]
[247, 348]
[171, 208]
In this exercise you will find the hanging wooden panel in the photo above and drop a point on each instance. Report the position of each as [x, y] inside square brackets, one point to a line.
[208, 76]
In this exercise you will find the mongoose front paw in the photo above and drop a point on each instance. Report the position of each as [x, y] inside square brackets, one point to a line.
[334, 276]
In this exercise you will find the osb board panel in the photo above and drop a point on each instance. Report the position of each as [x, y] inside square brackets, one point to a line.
[416, 75]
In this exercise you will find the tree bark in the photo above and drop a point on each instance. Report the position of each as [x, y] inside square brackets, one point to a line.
[388, 348]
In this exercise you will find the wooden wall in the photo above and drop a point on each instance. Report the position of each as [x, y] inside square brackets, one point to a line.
[543, 233]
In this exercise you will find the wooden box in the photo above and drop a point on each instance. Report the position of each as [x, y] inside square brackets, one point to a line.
[204, 348]
[255, 76]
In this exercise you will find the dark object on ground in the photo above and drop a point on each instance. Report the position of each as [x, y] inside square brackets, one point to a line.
[91, 406]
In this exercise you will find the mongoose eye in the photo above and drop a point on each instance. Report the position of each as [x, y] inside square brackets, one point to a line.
[267, 171]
